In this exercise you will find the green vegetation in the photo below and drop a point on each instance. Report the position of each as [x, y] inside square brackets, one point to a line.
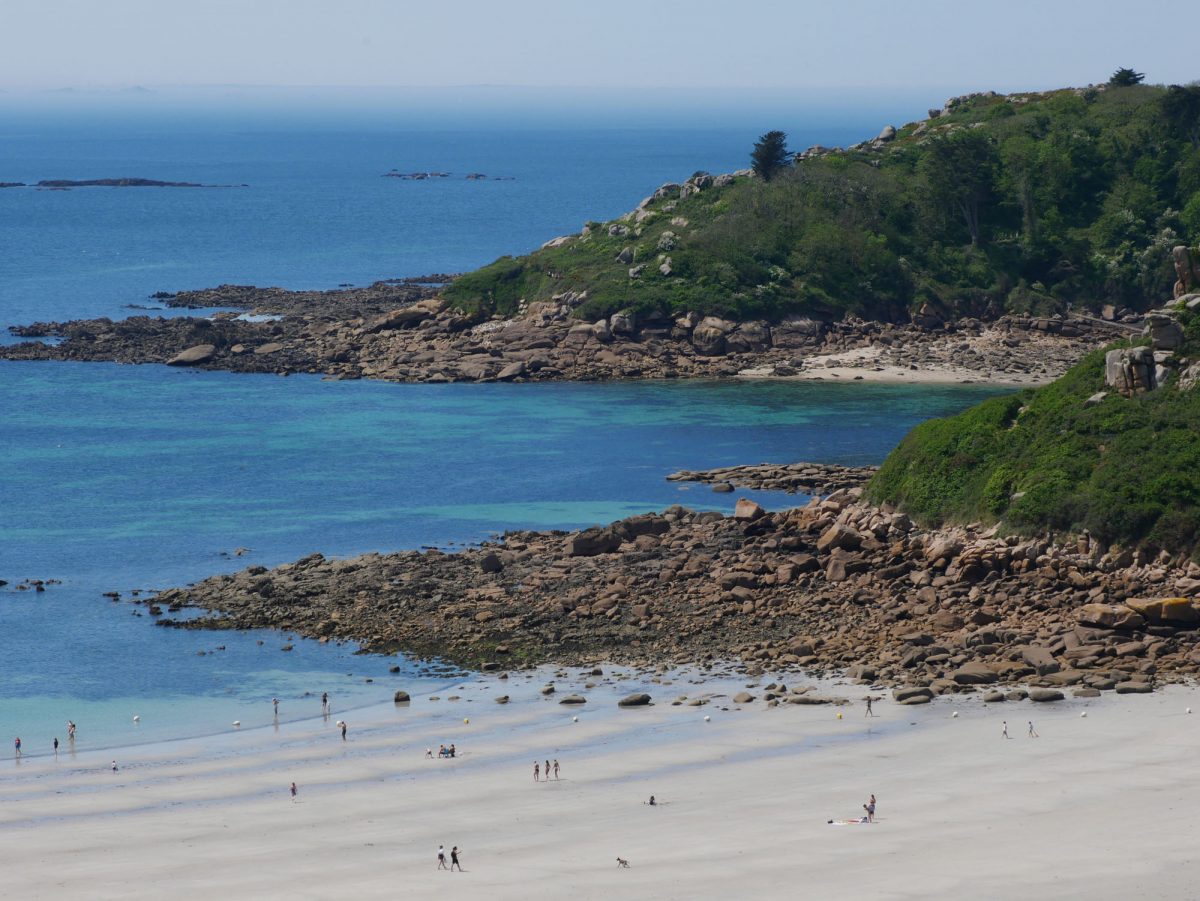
[1026, 203]
[1125, 469]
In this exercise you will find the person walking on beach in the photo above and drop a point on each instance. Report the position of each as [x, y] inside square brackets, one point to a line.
[70, 731]
[547, 770]
[536, 771]
[454, 860]
[342, 723]
[114, 766]
[442, 858]
[275, 702]
[556, 769]
[1032, 731]
[325, 703]
[293, 789]
[869, 712]
[1005, 732]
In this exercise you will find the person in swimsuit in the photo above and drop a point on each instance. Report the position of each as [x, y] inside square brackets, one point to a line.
[555, 770]
[536, 771]
[454, 860]
[869, 712]
[17, 745]
[56, 746]
[1005, 732]
[293, 789]
[1032, 731]
[442, 858]
[275, 701]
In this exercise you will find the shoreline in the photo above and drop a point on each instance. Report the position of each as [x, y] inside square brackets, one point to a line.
[371, 810]
[837, 586]
[405, 332]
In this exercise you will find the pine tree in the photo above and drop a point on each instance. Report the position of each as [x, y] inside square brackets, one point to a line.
[770, 155]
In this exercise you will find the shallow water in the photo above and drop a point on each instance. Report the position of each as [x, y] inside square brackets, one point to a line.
[122, 478]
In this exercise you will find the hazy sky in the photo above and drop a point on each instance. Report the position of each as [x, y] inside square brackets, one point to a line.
[686, 44]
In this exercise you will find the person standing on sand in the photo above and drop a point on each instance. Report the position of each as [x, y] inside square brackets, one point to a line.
[869, 807]
[342, 723]
[114, 766]
[869, 712]
[293, 789]
[556, 769]
[1032, 731]
[442, 858]
[325, 703]
[536, 771]
[1005, 732]
[275, 702]
[454, 860]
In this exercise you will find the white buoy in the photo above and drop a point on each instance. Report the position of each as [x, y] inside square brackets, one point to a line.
[707, 719]
[1084, 714]
[136, 718]
[236, 723]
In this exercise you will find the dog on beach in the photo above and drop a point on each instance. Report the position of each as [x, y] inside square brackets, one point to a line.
[622, 862]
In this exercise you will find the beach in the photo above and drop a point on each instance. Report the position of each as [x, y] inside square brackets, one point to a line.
[1095, 807]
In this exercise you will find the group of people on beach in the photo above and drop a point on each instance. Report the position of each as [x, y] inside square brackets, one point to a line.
[537, 771]
[454, 862]
[443, 751]
[18, 746]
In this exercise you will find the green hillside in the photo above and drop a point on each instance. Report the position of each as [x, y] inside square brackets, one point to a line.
[1026, 202]
[1127, 469]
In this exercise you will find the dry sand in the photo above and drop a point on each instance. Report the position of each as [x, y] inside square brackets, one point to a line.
[1097, 807]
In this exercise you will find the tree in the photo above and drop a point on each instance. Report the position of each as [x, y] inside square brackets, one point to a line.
[959, 171]
[1125, 78]
[1181, 106]
[770, 155]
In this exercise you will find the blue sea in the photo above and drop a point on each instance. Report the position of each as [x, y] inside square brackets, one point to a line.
[127, 479]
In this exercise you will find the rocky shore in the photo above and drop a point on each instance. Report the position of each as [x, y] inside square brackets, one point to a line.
[794, 478]
[404, 332]
[837, 586]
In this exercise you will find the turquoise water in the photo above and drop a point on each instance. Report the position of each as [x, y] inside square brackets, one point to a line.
[134, 478]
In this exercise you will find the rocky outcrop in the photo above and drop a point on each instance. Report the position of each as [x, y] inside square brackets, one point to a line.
[836, 586]
[1130, 370]
[1187, 270]
[794, 478]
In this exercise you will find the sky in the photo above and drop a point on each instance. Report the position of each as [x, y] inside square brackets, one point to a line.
[619, 47]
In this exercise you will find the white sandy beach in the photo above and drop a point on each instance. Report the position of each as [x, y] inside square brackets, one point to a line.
[1097, 807]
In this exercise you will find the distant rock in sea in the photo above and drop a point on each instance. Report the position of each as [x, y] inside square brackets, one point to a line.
[120, 183]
